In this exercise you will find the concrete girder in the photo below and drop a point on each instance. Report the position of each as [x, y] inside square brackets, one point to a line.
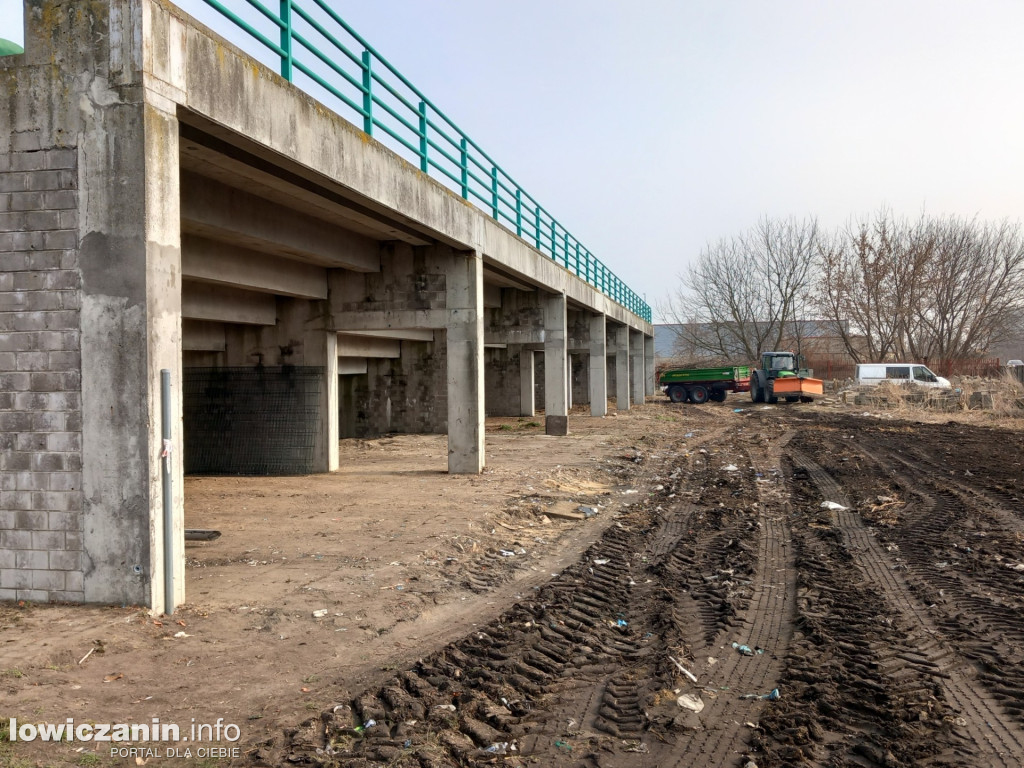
[211, 261]
[404, 334]
[202, 336]
[221, 212]
[366, 346]
[200, 301]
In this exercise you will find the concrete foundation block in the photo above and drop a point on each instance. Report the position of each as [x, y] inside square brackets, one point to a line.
[556, 425]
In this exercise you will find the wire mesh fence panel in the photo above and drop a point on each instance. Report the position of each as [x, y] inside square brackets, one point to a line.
[251, 421]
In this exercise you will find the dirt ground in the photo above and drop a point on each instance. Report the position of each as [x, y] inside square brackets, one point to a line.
[802, 585]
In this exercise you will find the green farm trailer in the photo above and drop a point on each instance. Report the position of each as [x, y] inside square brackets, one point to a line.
[698, 385]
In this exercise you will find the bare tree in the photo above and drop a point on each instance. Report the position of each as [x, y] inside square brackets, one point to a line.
[930, 289]
[742, 296]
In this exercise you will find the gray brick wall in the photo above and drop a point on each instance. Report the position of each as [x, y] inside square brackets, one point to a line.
[40, 378]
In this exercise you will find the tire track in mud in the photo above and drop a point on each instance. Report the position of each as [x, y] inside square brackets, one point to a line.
[583, 674]
[986, 733]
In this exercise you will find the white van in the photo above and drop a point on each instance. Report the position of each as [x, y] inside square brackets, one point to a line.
[899, 373]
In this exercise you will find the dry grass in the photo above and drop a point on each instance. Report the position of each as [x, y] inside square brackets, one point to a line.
[974, 400]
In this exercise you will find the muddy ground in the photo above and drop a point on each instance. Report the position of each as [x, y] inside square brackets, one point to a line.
[844, 586]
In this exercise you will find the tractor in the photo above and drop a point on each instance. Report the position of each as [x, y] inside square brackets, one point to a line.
[782, 375]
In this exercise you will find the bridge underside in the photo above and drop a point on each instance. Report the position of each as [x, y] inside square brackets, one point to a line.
[181, 208]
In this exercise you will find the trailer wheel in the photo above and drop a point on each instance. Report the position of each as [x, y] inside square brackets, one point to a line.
[718, 395]
[677, 394]
[792, 398]
[698, 395]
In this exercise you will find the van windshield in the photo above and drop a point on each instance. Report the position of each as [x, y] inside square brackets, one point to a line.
[921, 373]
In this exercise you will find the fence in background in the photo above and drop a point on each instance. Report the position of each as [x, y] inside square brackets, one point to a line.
[324, 56]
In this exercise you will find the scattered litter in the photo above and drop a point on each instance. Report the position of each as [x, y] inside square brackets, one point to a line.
[683, 669]
[833, 506]
[602, 561]
[774, 695]
[635, 746]
[691, 702]
[744, 649]
[563, 745]
[587, 511]
[364, 726]
[621, 623]
[688, 434]
[320, 613]
[630, 491]
[712, 661]
[738, 410]
[182, 634]
[730, 468]
[507, 553]
[113, 677]
[446, 707]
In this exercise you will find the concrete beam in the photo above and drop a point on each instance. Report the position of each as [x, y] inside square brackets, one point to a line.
[365, 346]
[220, 212]
[351, 365]
[598, 366]
[209, 261]
[200, 301]
[492, 296]
[385, 319]
[202, 336]
[556, 366]
[405, 334]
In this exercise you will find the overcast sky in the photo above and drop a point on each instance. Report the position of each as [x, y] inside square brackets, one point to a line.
[652, 127]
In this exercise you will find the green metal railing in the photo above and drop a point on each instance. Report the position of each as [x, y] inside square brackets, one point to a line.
[386, 103]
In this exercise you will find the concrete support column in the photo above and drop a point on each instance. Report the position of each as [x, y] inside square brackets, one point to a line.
[527, 406]
[556, 366]
[325, 345]
[650, 385]
[637, 387]
[622, 368]
[464, 289]
[131, 292]
[598, 366]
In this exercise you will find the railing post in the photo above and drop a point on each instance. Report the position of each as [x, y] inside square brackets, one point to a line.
[424, 164]
[565, 248]
[519, 212]
[286, 39]
[536, 227]
[465, 168]
[494, 192]
[554, 241]
[367, 93]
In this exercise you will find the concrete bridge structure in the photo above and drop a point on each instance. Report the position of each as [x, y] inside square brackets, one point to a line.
[168, 203]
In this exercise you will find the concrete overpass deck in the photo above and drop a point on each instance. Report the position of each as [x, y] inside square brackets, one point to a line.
[168, 203]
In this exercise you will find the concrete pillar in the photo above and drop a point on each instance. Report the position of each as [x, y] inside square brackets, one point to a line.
[650, 385]
[464, 290]
[527, 404]
[556, 366]
[598, 366]
[622, 368]
[637, 387]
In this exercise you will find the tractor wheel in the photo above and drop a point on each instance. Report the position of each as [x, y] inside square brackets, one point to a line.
[677, 394]
[698, 395]
[773, 399]
[756, 391]
[792, 398]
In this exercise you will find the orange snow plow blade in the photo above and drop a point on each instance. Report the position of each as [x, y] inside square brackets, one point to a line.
[794, 385]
